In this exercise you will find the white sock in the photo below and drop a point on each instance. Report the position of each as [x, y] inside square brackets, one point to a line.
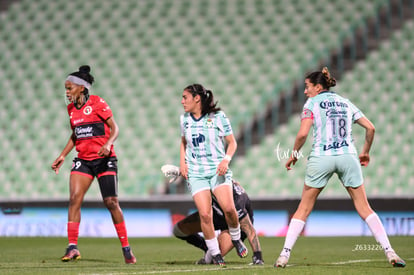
[208, 257]
[213, 246]
[295, 228]
[235, 233]
[377, 229]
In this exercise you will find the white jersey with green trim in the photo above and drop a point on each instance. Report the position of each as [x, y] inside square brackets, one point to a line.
[332, 117]
[205, 141]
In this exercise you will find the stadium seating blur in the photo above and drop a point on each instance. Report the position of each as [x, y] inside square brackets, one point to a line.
[143, 53]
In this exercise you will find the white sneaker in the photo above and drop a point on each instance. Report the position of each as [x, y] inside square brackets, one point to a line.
[281, 261]
[394, 259]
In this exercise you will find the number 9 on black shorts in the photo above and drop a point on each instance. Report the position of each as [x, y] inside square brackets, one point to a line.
[104, 169]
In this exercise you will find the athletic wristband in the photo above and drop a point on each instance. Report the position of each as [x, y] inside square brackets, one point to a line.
[227, 157]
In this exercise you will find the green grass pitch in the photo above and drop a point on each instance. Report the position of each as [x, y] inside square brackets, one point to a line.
[311, 255]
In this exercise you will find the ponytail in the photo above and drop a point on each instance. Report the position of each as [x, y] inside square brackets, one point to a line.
[330, 81]
[207, 98]
[323, 78]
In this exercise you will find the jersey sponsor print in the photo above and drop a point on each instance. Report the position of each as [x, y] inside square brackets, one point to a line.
[89, 127]
[332, 117]
[205, 141]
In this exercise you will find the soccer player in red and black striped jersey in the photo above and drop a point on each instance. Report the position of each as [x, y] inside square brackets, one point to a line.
[94, 131]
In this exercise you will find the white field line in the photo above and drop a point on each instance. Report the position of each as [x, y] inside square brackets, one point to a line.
[174, 271]
[364, 261]
[234, 268]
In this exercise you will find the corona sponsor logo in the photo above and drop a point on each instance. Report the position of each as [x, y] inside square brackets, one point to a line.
[331, 104]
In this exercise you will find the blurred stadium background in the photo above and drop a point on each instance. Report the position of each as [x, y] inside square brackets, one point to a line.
[252, 54]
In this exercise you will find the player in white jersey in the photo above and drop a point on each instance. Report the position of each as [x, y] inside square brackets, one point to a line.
[333, 151]
[204, 162]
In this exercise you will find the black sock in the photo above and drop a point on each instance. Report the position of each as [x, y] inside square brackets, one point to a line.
[196, 240]
[258, 255]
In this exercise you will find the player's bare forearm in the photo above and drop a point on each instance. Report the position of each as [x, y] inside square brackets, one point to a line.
[183, 165]
[69, 145]
[369, 133]
[231, 145]
[302, 134]
[247, 227]
[183, 145]
[299, 142]
[369, 139]
[114, 130]
[105, 150]
[61, 158]
[231, 149]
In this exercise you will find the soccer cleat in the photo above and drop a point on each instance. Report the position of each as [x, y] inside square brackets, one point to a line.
[394, 259]
[281, 261]
[201, 261]
[257, 261]
[128, 255]
[218, 260]
[207, 259]
[240, 248]
[72, 253]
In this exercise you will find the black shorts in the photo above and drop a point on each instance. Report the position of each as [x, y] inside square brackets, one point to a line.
[243, 208]
[220, 223]
[104, 169]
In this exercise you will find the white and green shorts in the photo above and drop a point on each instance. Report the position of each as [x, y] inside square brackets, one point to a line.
[320, 169]
[197, 183]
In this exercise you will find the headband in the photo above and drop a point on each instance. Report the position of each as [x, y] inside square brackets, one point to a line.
[79, 81]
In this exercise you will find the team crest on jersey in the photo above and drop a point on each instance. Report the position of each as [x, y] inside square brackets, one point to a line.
[209, 123]
[87, 110]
